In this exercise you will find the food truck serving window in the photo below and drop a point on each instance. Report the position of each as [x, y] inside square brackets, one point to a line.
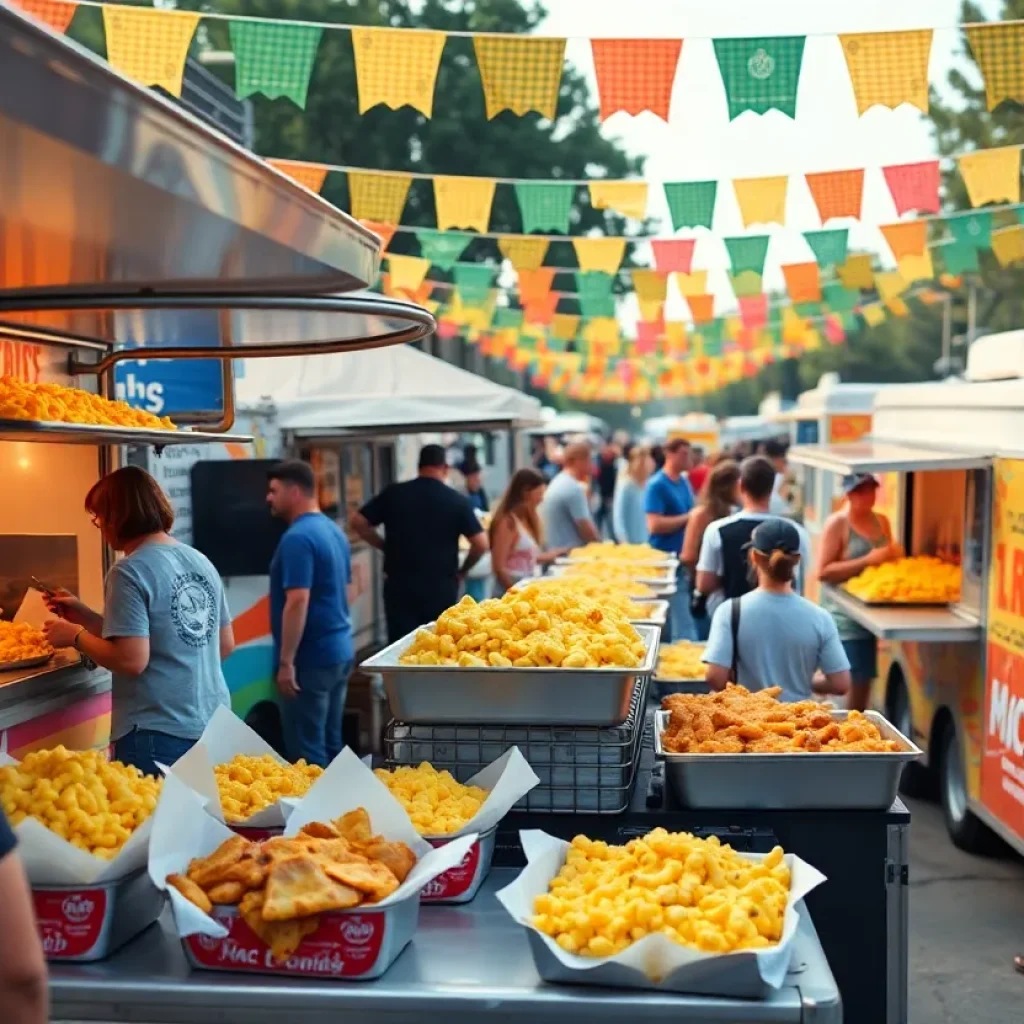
[881, 457]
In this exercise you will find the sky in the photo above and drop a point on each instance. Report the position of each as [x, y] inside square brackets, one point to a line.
[700, 143]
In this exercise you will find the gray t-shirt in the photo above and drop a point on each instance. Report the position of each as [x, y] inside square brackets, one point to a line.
[783, 640]
[565, 503]
[172, 594]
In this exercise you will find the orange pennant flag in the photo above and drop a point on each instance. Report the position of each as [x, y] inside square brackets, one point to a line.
[149, 45]
[702, 308]
[520, 73]
[385, 231]
[803, 281]
[907, 238]
[991, 175]
[309, 175]
[535, 284]
[762, 200]
[54, 13]
[837, 193]
[636, 74]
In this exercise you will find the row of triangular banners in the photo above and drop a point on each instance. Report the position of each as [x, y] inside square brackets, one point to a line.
[399, 66]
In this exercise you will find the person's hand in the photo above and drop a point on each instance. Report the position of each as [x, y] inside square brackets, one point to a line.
[287, 684]
[65, 605]
[61, 632]
[877, 556]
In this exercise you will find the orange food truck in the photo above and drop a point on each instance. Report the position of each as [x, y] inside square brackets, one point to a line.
[951, 675]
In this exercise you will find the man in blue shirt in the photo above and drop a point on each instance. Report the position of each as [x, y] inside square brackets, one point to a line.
[309, 616]
[667, 502]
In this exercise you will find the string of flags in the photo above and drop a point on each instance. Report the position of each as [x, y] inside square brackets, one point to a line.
[398, 67]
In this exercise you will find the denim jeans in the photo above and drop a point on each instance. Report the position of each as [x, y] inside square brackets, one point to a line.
[144, 747]
[312, 719]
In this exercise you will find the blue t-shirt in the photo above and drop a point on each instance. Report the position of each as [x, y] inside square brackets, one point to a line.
[314, 555]
[668, 497]
[172, 594]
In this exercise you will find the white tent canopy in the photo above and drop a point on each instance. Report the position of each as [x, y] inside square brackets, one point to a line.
[388, 389]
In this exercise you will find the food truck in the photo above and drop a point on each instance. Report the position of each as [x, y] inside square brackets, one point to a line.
[951, 676]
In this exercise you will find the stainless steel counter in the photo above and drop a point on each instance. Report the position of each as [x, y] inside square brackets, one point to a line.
[465, 962]
[913, 623]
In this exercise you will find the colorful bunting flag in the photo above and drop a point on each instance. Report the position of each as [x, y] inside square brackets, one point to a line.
[544, 205]
[651, 309]
[463, 202]
[748, 253]
[535, 284]
[999, 51]
[604, 254]
[441, 248]
[650, 285]
[691, 204]
[542, 309]
[626, 197]
[1008, 245]
[648, 332]
[889, 284]
[916, 267]
[991, 175]
[973, 229]
[674, 254]
[837, 193]
[829, 247]
[856, 272]
[407, 272]
[694, 283]
[54, 13]
[385, 231]
[597, 305]
[802, 281]
[523, 253]
[908, 238]
[914, 186]
[148, 45]
[897, 307]
[564, 326]
[505, 316]
[888, 68]
[760, 73]
[594, 290]
[753, 310]
[702, 308]
[309, 175]
[396, 67]
[275, 59]
[473, 282]
[635, 74]
[959, 258]
[746, 282]
[379, 197]
[839, 298]
[873, 313]
[520, 73]
[761, 200]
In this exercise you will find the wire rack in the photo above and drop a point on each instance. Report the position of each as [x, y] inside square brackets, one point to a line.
[581, 768]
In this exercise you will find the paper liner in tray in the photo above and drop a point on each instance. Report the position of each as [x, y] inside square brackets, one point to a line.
[182, 830]
[654, 962]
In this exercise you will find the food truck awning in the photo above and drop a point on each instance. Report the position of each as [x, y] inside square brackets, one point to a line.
[394, 390]
[883, 457]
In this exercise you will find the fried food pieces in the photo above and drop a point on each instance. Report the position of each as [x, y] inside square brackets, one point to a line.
[20, 400]
[280, 886]
[921, 580]
[680, 660]
[249, 783]
[616, 594]
[436, 802]
[527, 628]
[93, 803]
[696, 892]
[617, 571]
[19, 641]
[609, 551]
[736, 721]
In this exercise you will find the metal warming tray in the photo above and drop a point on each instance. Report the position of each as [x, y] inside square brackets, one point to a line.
[658, 615]
[430, 694]
[652, 575]
[662, 688]
[799, 781]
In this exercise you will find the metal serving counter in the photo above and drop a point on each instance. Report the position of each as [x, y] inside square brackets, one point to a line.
[465, 963]
[919, 624]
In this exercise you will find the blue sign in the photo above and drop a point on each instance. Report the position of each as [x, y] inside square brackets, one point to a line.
[166, 387]
[806, 431]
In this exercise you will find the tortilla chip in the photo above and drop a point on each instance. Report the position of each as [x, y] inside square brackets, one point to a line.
[354, 826]
[298, 887]
[283, 937]
[228, 893]
[396, 857]
[319, 830]
[373, 879]
[249, 872]
[191, 892]
[207, 871]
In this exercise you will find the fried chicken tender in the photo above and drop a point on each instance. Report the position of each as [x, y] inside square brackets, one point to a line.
[736, 721]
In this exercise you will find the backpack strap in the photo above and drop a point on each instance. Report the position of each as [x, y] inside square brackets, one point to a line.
[734, 616]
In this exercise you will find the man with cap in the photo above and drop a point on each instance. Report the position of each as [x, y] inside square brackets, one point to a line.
[423, 520]
[852, 539]
[772, 636]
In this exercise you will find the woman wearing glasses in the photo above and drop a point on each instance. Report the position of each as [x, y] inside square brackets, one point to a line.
[164, 629]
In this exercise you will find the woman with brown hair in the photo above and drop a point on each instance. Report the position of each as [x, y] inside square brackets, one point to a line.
[719, 498]
[164, 628]
[516, 532]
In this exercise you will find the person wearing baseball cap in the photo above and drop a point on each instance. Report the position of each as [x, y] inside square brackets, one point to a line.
[772, 636]
[852, 539]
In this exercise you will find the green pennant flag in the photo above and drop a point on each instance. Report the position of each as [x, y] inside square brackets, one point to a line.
[505, 316]
[760, 72]
[849, 321]
[274, 59]
[839, 298]
[473, 282]
[442, 248]
[807, 309]
[691, 203]
[746, 283]
[748, 253]
[972, 229]
[593, 284]
[597, 305]
[545, 206]
[829, 247]
[711, 335]
[958, 258]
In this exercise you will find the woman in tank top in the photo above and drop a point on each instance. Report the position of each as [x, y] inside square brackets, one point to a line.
[852, 539]
[516, 534]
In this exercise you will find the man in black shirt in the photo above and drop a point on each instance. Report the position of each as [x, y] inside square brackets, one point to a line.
[423, 520]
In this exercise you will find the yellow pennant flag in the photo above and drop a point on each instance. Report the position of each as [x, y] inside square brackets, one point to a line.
[889, 284]
[675, 337]
[564, 326]
[522, 252]
[407, 272]
[762, 200]
[856, 272]
[888, 68]
[692, 284]
[379, 197]
[520, 73]
[650, 286]
[992, 175]
[651, 310]
[626, 197]
[396, 67]
[603, 254]
[917, 268]
[997, 48]
[149, 45]
[463, 202]
[603, 330]
[907, 238]
[794, 327]
[897, 307]
[873, 314]
[310, 175]
[1008, 245]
